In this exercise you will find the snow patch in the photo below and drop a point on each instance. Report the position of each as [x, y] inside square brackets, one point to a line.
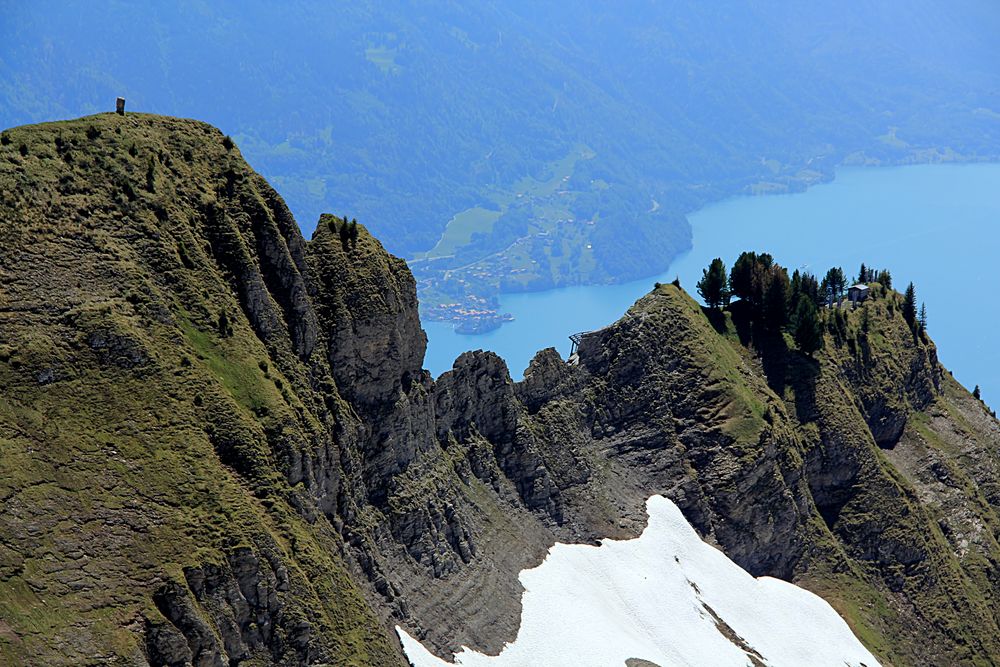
[665, 597]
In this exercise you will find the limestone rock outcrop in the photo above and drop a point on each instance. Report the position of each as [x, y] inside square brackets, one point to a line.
[219, 446]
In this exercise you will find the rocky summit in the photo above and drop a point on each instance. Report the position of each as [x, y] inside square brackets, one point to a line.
[218, 446]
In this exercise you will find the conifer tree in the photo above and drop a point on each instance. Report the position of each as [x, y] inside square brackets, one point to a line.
[741, 275]
[922, 318]
[976, 394]
[910, 305]
[835, 283]
[749, 276]
[810, 288]
[712, 286]
[808, 331]
[775, 300]
[885, 279]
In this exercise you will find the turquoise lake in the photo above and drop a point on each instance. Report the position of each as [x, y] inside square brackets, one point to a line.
[937, 225]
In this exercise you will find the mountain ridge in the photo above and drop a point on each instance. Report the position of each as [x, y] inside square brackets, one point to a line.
[234, 422]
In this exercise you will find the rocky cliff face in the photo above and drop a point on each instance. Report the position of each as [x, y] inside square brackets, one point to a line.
[219, 446]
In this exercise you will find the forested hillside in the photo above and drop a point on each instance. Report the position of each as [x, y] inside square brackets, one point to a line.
[575, 141]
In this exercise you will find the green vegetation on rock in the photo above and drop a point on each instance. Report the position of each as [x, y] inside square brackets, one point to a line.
[217, 444]
[140, 439]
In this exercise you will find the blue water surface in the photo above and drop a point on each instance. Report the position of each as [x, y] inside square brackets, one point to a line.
[937, 225]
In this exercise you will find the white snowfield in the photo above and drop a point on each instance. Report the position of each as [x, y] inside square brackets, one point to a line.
[665, 597]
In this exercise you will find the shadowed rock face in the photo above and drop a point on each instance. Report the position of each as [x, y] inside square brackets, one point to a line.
[367, 302]
[234, 610]
[283, 484]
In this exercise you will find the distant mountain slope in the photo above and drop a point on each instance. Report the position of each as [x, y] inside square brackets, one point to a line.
[406, 115]
[217, 444]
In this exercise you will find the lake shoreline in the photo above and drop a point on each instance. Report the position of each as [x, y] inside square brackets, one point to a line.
[497, 318]
[880, 202]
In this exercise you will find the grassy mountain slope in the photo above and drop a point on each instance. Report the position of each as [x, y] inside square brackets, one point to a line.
[217, 444]
[819, 471]
[138, 439]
